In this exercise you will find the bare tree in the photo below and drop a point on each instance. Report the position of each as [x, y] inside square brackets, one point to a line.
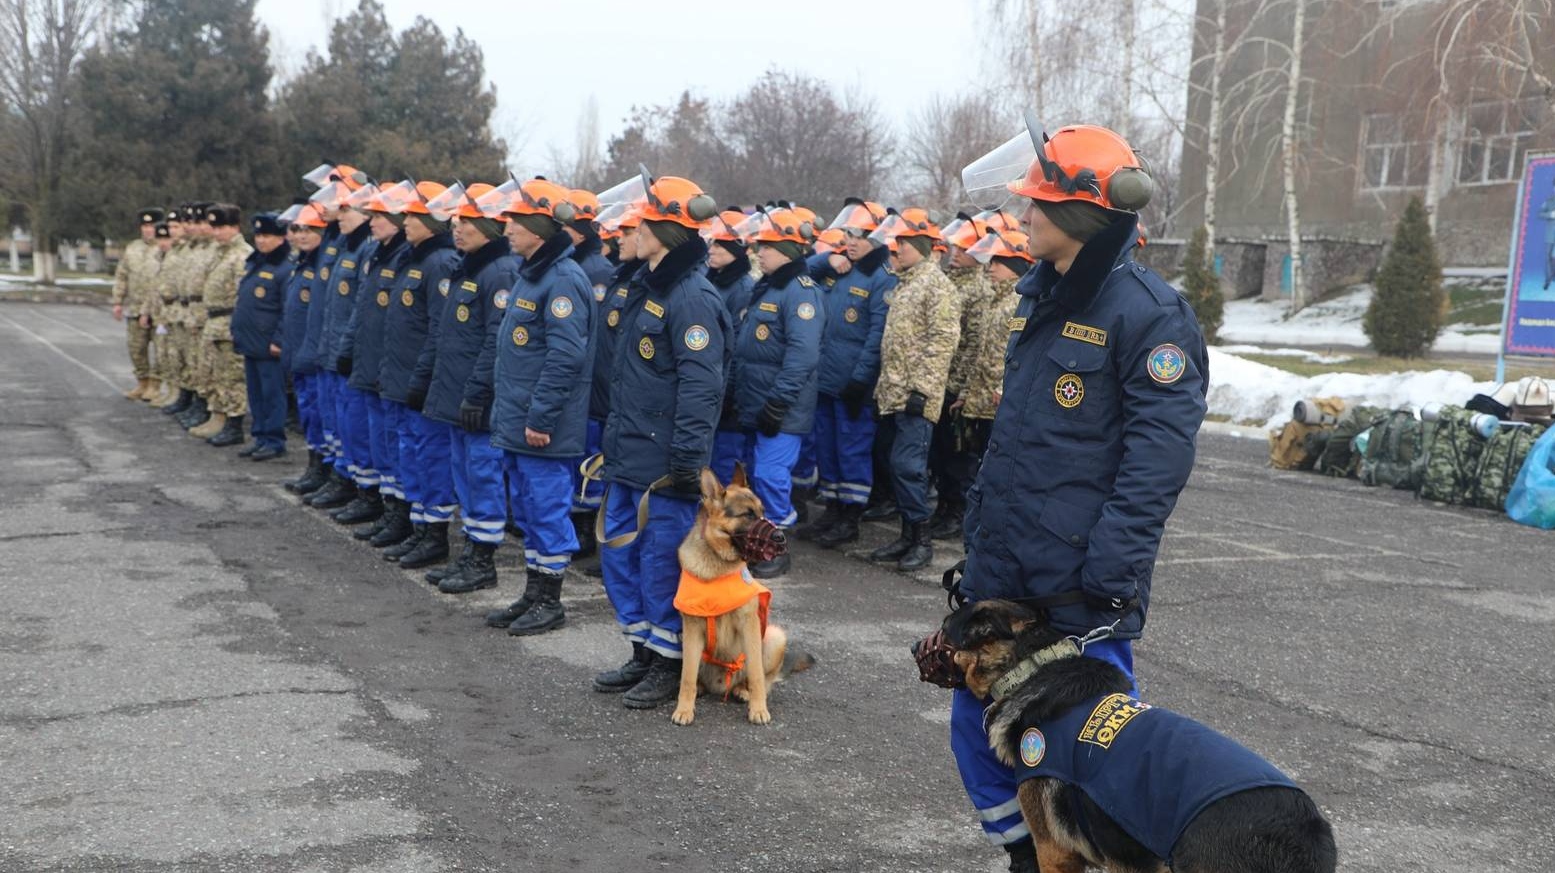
[1289, 143]
[40, 44]
[944, 136]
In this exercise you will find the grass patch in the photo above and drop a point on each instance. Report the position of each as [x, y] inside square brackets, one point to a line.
[1474, 305]
[1481, 370]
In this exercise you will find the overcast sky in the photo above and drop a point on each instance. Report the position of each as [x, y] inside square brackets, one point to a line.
[548, 59]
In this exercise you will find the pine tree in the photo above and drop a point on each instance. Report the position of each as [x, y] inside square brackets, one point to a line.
[1405, 314]
[1202, 287]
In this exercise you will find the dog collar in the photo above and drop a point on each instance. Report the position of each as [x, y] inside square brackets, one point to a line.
[1065, 648]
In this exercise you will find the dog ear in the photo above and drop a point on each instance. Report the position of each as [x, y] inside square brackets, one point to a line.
[711, 490]
[739, 476]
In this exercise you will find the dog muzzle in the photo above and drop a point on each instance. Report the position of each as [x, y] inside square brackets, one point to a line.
[761, 542]
[936, 661]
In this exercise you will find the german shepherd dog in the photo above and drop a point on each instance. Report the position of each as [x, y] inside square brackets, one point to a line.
[1270, 829]
[727, 523]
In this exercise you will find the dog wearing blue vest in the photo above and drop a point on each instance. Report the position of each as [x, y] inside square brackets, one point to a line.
[1112, 782]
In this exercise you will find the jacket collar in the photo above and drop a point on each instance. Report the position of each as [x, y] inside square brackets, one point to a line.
[354, 239]
[1077, 289]
[434, 243]
[728, 274]
[558, 246]
[871, 263]
[624, 272]
[780, 277]
[482, 257]
[281, 253]
[590, 245]
[680, 260]
[388, 251]
[307, 260]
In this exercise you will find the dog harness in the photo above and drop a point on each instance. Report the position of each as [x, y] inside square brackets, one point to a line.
[1150, 769]
[710, 598]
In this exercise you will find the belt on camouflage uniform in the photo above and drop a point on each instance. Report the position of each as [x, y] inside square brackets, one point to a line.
[218, 311]
[590, 468]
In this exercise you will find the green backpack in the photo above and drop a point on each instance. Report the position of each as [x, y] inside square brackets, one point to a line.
[1395, 455]
[1452, 451]
[1499, 462]
[1337, 457]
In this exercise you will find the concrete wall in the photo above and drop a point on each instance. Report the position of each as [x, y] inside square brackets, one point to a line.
[1329, 264]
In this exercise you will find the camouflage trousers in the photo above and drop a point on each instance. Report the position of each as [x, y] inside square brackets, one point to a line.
[176, 366]
[139, 341]
[221, 377]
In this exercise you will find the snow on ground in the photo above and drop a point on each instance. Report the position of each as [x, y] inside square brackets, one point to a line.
[1307, 355]
[1335, 322]
[17, 280]
[1244, 390]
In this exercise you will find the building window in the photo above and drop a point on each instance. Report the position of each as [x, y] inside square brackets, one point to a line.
[1389, 158]
[1495, 135]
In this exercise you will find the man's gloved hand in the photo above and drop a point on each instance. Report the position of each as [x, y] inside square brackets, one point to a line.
[343, 365]
[686, 482]
[416, 398]
[854, 395]
[770, 420]
[915, 404]
[472, 417]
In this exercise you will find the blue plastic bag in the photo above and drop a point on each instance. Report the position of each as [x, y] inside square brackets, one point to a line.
[1532, 498]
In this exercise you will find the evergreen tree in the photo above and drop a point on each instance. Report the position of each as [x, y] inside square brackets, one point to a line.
[1405, 314]
[1202, 287]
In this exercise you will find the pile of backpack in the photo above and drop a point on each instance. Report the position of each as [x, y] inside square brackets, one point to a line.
[1480, 454]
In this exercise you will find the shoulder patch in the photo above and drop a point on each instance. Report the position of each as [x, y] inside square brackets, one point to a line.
[331, 250]
[265, 274]
[654, 308]
[620, 292]
[443, 285]
[1085, 333]
[561, 307]
[386, 273]
[1033, 747]
[500, 299]
[697, 337]
[806, 311]
[1166, 363]
[307, 274]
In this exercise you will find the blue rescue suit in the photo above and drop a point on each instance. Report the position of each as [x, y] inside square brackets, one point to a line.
[586, 495]
[856, 305]
[257, 323]
[735, 283]
[363, 345]
[1105, 381]
[345, 277]
[315, 348]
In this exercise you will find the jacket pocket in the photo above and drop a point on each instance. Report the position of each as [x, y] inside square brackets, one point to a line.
[1069, 523]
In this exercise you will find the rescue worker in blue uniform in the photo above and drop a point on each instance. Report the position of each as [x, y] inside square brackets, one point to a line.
[257, 335]
[856, 306]
[729, 269]
[305, 228]
[361, 359]
[1105, 382]
[540, 416]
[347, 278]
[773, 371]
[587, 248]
[415, 302]
[459, 393]
[666, 389]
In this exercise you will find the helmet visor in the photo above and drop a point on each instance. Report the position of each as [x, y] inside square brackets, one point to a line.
[986, 179]
[443, 206]
[496, 201]
[623, 193]
[318, 176]
[854, 218]
[962, 233]
[331, 195]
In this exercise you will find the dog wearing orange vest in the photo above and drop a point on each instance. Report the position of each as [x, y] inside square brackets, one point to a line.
[730, 647]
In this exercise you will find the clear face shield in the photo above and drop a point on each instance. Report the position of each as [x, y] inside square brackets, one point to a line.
[443, 206]
[854, 219]
[331, 196]
[291, 214]
[318, 177]
[887, 232]
[617, 199]
[987, 179]
[495, 202]
[962, 233]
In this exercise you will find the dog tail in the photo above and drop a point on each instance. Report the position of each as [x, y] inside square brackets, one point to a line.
[795, 662]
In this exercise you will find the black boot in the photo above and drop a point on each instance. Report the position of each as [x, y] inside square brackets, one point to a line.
[1023, 856]
[822, 524]
[404, 547]
[799, 498]
[658, 687]
[479, 572]
[922, 551]
[774, 568]
[368, 531]
[396, 529]
[368, 506]
[249, 450]
[339, 492]
[879, 510]
[505, 617]
[547, 612]
[948, 525]
[268, 453]
[313, 476]
[454, 567]
[231, 433]
[624, 677]
[197, 414]
[844, 530]
[432, 548]
[894, 550]
[185, 397]
[583, 524]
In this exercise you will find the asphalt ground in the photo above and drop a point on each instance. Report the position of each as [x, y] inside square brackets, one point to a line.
[196, 674]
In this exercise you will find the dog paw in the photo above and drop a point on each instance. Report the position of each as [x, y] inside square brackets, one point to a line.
[742, 694]
[683, 716]
[759, 715]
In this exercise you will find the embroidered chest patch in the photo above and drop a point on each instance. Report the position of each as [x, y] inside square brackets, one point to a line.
[407, 298]
[520, 336]
[645, 348]
[383, 298]
[259, 292]
[1069, 390]
[850, 316]
[1085, 334]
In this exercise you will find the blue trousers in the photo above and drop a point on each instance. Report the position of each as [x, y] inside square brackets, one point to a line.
[307, 388]
[266, 383]
[426, 467]
[844, 467]
[356, 437]
[988, 782]
[588, 495]
[805, 469]
[383, 424]
[540, 490]
[770, 462]
[728, 450]
[477, 472]
[327, 385]
[641, 577]
[910, 465]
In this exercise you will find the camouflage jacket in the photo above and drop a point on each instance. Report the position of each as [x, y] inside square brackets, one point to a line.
[133, 281]
[920, 339]
[197, 260]
[219, 286]
[972, 285]
[985, 368]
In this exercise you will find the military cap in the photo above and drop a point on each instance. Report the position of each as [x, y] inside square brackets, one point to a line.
[162, 231]
[268, 224]
[151, 215]
[222, 215]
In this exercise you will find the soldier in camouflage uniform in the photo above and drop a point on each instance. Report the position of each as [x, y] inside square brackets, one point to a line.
[131, 290]
[947, 452]
[191, 290]
[170, 314]
[160, 390]
[921, 333]
[221, 368]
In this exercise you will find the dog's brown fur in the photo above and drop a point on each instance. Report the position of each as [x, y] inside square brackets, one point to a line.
[708, 552]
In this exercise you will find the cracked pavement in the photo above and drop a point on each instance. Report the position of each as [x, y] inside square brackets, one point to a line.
[197, 675]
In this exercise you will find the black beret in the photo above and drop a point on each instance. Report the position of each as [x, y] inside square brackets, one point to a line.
[269, 224]
[151, 216]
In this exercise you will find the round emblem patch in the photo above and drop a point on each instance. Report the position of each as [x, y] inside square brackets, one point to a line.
[259, 292]
[344, 287]
[324, 272]
[304, 296]
[696, 337]
[520, 336]
[850, 316]
[462, 313]
[599, 294]
[561, 307]
[500, 299]
[806, 311]
[407, 298]
[1033, 747]
[762, 331]
[1069, 390]
[383, 298]
[614, 318]
[1166, 363]
[442, 287]
[645, 348]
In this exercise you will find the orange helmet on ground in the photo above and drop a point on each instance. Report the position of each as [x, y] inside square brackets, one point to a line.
[1087, 163]
[908, 222]
[1002, 244]
[964, 232]
[779, 225]
[858, 217]
[676, 200]
[584, 204]
[541, 197]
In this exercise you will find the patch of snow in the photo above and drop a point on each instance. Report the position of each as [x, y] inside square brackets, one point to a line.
[1335, 322]
[1307, 355]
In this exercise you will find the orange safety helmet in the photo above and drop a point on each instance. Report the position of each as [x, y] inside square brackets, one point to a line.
[965, 231]
[780, 225]
[830, 240]
[541, 197]
[912, 221]
[724, 226]
[858, 216]
[1002, 244]
[1087, 163]
[305, 214]
[458, 200]
[392, 199]
[998, 219]
[584, 204]
[676, 200]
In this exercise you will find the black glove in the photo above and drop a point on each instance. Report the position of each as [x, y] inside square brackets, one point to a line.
[686, 482]
[915, 404]
[854, 395]
[472, 417]
[1113, 606]
[416, 398]
[343, 365]
[770, 420]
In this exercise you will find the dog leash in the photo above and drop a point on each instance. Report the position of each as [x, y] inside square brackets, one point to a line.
[591, 469]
